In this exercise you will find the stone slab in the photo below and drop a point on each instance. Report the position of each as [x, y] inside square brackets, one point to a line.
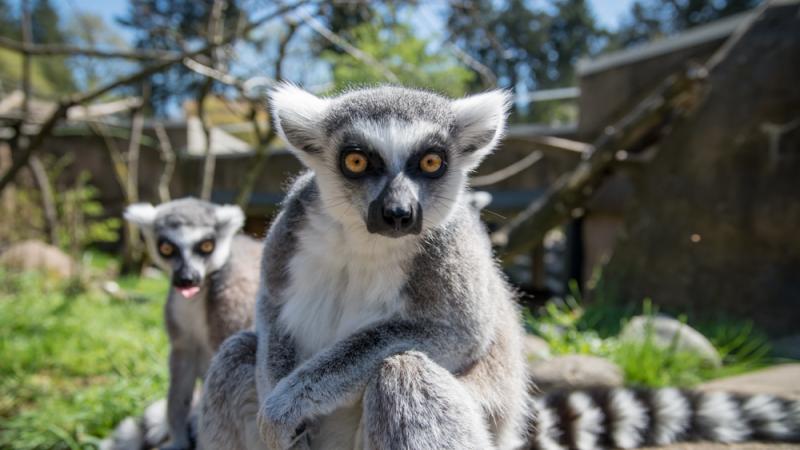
[782, 381]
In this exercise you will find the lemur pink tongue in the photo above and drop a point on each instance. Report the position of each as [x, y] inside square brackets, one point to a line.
[188, 292]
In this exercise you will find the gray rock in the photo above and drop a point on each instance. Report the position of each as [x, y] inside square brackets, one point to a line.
[536, 348]
[575, 372]
[666, 332]
[38, 256]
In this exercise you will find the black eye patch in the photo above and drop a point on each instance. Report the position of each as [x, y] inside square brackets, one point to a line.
[356, 161]
[427, 163]
[166, 248]
[205, 247]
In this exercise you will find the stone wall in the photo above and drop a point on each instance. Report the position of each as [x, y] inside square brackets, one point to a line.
[714, 226]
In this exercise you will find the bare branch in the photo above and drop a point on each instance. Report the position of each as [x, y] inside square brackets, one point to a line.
[71, 50]
[559, 144]
[117, 158]
[98, 110]
[541, 142]
[487, 75]
[351, 50]
[26, 59]
[215, 30]
[48, 199]
[168, 158]
[216, 74]
[283, 44]
[507, 172]
[264, 137]
[134, 147]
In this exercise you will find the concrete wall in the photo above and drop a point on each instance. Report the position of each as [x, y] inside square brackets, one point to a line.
[714, 228]
[607, 95]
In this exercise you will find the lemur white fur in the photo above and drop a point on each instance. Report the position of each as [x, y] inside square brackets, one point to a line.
[383, 321]
[211, 296]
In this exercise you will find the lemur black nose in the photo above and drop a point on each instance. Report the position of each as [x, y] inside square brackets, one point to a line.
[186, 279]
[398, 217]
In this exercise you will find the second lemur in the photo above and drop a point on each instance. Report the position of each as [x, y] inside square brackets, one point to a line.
[214, 274]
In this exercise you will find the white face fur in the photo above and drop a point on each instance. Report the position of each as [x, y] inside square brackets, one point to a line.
[188, 238]
[389, 161]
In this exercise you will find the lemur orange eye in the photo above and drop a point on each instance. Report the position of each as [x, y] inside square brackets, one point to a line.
[166, 249]
[355, 163]
[431, 163]
[206, 247]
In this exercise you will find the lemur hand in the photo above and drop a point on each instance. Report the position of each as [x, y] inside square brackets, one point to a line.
[282, 419]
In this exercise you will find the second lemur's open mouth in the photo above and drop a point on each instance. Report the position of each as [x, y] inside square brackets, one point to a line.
[188, 291]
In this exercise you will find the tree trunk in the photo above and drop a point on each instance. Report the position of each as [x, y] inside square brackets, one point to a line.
[48, 200]
[168, 158]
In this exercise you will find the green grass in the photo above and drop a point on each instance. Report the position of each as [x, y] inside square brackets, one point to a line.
[570, 328]
[72, 365]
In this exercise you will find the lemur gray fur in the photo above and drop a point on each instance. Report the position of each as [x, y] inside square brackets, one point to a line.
[214, 279]
[383, 321]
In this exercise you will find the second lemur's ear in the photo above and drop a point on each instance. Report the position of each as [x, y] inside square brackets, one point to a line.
[297, 115]
[141, 214]
[480, 123]
[230, 218]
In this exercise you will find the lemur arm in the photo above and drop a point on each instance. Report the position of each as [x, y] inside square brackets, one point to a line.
[337, 376]
[183, 373]
[277, 356]
[282, 358]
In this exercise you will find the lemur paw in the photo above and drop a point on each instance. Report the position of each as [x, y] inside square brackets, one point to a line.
[279, 429]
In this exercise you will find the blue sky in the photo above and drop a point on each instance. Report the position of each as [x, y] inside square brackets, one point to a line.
[608, 12]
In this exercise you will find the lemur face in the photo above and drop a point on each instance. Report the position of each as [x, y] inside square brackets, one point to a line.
[188, 238]
[390, 161]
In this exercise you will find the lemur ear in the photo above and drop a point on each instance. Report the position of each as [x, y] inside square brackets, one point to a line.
[230, 218]
[480, 122]
[297, 115]
[141, 214]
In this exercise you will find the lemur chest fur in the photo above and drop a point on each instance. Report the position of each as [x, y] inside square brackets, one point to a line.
[338, 286]
[190, 317]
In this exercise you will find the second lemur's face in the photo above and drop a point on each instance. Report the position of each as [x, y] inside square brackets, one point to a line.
[188, 238]
[389, 161]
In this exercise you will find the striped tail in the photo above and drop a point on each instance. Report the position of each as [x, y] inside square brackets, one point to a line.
[627, 418]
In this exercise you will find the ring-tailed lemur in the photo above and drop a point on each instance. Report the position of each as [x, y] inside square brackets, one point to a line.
[383, 321]
[214, 279]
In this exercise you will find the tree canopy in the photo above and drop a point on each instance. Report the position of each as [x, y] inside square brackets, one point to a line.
[408, 57]
[173, 25]
[48, 75]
